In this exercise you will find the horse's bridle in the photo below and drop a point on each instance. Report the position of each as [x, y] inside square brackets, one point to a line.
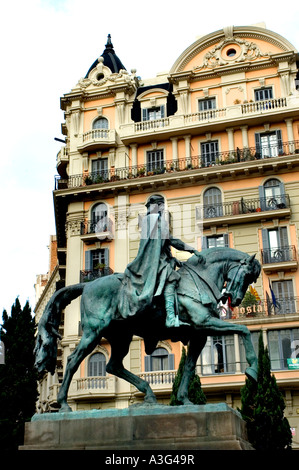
[237, 265]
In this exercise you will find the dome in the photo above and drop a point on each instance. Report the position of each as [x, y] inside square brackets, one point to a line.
[110, 59]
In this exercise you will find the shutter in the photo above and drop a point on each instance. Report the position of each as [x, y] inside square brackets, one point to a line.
[106, 257]
[279, 141]
[147, 363]
[283, 200]
[204, 243]
[162, 111]
[144, 114]
[88, 260]
[258, 145]
[226, 240]
[262, 198]
[171, 362]
[266, 250]
[283, 237]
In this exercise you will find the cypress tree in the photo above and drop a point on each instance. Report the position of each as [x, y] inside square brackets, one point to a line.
[263, 408]
[195, 393]
[18, 377]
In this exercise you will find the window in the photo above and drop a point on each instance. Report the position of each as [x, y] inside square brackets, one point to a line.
[209, 153]
[160, 359]
[212, 202]
[268, 144]
[155, 160]
[218, 355]
[283, 345]
[284, 297]
[275, 245]
[151, 114]
[95, 259]
[215, 241]
[263, 94]
[99, 170]
[99, 218]
[272, 195]
[97, 365]
[100, 123]
[207, 104]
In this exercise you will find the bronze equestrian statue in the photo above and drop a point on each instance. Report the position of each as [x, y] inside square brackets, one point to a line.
[156, 298]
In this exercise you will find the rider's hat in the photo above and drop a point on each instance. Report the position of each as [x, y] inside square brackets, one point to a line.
[155, 200]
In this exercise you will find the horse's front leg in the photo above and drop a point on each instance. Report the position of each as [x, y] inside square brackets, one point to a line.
[220, 326]
[195, 347]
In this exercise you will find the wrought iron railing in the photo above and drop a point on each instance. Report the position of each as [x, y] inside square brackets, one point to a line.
[91, 226]
[243, 206]
[263, 308]
[212, 159]
[91, 275]
[279, 254]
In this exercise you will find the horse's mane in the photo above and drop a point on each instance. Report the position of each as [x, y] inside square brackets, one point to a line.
[218, 254]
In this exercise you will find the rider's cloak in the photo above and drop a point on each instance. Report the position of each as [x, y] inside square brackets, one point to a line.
[145, 277]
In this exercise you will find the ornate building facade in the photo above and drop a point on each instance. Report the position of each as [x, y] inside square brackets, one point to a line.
[218, 138]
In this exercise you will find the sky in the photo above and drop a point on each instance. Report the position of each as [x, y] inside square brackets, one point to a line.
[46, 47]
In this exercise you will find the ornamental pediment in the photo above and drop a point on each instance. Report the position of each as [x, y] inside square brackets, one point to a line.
[231, 51]
[101, 76]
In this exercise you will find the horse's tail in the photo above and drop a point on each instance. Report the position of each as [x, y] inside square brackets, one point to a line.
[49, 324]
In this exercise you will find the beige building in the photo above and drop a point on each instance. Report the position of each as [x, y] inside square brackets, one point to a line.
[218, 138]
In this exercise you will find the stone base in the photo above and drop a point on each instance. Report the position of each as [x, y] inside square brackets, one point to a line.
[139, 427]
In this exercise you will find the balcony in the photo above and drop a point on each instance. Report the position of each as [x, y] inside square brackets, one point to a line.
[91, 275]
[265, 308]
[209, 120]
[279, 259]
[93, 231]
[97, 139]
[243, 210]
[243, 161]
[160, 380]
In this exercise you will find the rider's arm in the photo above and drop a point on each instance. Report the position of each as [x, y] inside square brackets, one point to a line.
[179, 245]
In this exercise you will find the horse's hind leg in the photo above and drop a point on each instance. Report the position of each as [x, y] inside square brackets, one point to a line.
[87, 344]
[195, 347]
[119, 349]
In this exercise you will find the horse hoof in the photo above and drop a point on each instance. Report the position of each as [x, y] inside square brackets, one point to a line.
[65, 409]
[251, 373]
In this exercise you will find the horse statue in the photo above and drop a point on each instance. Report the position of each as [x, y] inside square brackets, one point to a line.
[200, 288]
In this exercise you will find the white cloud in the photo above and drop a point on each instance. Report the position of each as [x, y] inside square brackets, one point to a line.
[47, 46]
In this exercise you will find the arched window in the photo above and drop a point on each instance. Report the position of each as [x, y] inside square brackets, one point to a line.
[160, 359]
[272, 195]
[97, 365]
[99, 218]
[212, 202]
[100, 123]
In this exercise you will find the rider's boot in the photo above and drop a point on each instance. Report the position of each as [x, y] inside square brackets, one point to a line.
[172, 320]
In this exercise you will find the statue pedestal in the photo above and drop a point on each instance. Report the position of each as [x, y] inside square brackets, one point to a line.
[139, 427]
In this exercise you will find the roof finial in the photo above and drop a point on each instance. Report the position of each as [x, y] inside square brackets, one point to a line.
[109, 44]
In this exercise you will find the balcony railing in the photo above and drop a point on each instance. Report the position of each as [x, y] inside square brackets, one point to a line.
[262, 106]
[152, 124]
[212, 159]
[91, 227]
[264, 308]
[279, 254]
[243, 206]
[159, 377]
[87, 276]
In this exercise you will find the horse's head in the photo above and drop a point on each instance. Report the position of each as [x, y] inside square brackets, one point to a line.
[45, 350]
[239, 276]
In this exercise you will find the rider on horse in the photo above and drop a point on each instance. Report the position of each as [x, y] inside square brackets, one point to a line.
[153, 271]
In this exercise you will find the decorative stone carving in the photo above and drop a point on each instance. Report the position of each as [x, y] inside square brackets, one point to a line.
[241, 50]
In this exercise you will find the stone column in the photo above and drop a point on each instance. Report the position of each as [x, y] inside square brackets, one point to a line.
[188, 149]
[134, 158]
[174, 141]
[289, 123]
[231, 144]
